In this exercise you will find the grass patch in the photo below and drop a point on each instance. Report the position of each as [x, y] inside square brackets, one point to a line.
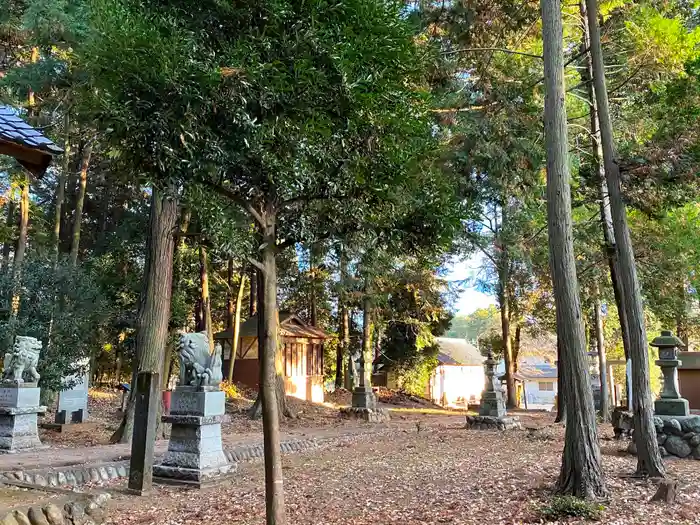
[560, 507]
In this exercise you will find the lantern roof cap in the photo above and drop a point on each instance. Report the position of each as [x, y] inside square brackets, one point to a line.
[666, 339]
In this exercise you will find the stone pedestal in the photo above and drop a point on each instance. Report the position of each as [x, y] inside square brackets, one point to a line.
[195, 453]
[19, 407]
[363, 397]
[492, 404]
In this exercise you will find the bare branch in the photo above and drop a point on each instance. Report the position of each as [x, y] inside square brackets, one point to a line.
[501, 49]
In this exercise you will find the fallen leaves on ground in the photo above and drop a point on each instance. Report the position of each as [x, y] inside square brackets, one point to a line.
[400, 476]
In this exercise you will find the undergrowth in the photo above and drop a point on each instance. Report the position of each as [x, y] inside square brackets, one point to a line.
[560, 507]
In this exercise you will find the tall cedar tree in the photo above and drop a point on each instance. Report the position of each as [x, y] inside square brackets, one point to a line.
[648, 455]
[581, 471]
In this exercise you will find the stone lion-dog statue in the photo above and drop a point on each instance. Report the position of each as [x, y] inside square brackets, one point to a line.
[198, 367]
[22, 360]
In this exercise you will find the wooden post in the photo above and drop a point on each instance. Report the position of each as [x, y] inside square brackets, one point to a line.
[143, 443]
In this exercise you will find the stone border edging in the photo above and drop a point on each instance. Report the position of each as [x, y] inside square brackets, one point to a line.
[89, 511]
[78, 475]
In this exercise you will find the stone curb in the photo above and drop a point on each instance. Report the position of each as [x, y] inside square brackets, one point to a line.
[90, 511]
[78, 475]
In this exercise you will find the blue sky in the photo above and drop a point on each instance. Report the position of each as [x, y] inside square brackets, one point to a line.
[469, 298]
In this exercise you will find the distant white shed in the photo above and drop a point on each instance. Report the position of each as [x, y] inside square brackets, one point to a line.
[459, 377]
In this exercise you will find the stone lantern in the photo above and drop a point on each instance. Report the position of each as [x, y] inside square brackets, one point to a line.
[670, 403]
[492, 402]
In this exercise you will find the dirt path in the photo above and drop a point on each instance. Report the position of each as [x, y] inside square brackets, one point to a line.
[64, 456]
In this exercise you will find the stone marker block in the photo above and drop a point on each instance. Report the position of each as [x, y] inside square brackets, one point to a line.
[672, 407]
[145, 421]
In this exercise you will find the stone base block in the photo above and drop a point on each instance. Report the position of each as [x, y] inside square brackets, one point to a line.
[493, 423]
[65, 417]
[671, 407]
[195, 478]
[492, 404]
[24, 395]
[363, 397]
[18, 429]
[195, 454]
[192, 402]
[371, 415]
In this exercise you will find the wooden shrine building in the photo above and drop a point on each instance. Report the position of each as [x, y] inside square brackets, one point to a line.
[301, 347]
[19, 140]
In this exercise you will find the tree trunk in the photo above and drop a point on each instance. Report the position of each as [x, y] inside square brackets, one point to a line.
[236, 325]
[206, 301]
[366, 356]
[581, 473]
[7, 246]
[561, 383]
[504, 307]
[274, 490]
[516, 345]
[602, 362]
[75, 242]
[349, 380]
[344, 321]
[648, 456]
[230, 307]
[61, 186]
[20, 251]
[253, 301]
[154, 305]
[605, 215]
[118, 366]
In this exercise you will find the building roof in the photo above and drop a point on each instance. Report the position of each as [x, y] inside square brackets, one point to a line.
[534, 372]
[21, 141]
[290, 326]
[458, 352]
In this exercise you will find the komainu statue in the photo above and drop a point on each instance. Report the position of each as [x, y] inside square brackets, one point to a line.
[197, 366]
[22, 360]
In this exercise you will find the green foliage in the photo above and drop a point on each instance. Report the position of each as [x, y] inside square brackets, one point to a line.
[64, 302]
[562, 507]
[471, 327]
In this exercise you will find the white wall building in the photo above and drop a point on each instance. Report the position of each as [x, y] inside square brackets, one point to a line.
[459, 377]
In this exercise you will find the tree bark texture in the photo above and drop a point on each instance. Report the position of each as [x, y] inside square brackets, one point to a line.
[504, 307]
[205, 299]
[561, 383]
[253, 302]
[61, 186]
[154, 305]
[602, 361]
[20, 250]
[366, 357]
[10, 222]
[267, 333]
[648, 456]
[79, 203]
[236, 324]
[581, 473]
[605, 214]
[344, 321]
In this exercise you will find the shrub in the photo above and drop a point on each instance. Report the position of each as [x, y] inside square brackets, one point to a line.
[560, 507]
[230, 390]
